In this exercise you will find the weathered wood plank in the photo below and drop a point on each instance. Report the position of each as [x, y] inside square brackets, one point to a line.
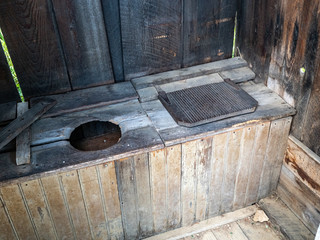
[208, 235]
[207, 224]
[190, 72]
[188, 182]
[208, 31]
[155, 44]
[93, 202]
[141, 165]
[19, 124]
[246, 159]
[270, 107]
[173, 154]
[111, 14]
[231, 231]
[256, 230]
[89, 98]
[110, 195]
[33, 41]
[258, 152]
[23, 140]
[58, 208]
[158, 177]
[304, 163]
[84, 41]
[289, 224]
[6, 230]
[300, 199]
[230, 170]
[277, 140]
[203, 158]
[8, 110]
[8, 90]
[238, 74]
[127, 194]
[75, 204]
[38, 209]
[219, 153]
[18, 213]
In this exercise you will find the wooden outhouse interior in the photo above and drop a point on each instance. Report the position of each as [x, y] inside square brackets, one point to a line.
[102, 158]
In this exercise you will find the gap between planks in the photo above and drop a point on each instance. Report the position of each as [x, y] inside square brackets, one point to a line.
[207, 224]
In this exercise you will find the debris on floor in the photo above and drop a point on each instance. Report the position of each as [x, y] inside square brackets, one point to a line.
[260, 216]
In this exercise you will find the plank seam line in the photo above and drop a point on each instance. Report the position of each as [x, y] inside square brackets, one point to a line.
[166, 179]
[8, 216]
[85, 203]
[242, 231]
[28, 211]
[195, 179]
[180, 193]
[151, 188]
[136, 203]
[67, 206]
[265, 159]
[225, 155]
[103, 201]
[119, 187]
[48, 208]
[209, 177]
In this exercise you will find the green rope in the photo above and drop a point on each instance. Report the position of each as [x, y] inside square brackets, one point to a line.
[13, 72]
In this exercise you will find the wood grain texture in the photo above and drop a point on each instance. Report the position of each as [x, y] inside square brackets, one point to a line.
[278, 133]
[219, 153]
[23, 140]
[203, 159]
[208, 31]
[9, 111]
[93, 202]
[188, 182]
[304, 203]
[75, 204]
[111, 14]
[6, 229]
[38, 209]
[8, 90]
[231, 232]
[34, 47]
[255, 170]
[84, 41]
[58, 209]
[158, 178]
[151, 36]
[245, 160]
[110, 195]
[173, 162]
[25, 120]
[18, 213]
[230, 170]
[127, 194]
[144, 194]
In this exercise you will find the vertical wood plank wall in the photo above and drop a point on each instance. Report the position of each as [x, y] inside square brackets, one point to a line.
[278, 38]
[58, 46]
[149, 193]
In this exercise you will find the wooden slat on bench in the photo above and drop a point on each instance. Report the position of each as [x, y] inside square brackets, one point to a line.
[190, 72]
[90, 97]
[18, 125]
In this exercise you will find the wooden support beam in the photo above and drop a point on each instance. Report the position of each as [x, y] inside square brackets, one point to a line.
[23, 140]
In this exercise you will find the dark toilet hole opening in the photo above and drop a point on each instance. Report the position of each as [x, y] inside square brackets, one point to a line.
[95, 135]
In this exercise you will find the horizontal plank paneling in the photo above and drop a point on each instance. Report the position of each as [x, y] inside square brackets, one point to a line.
[33, 42]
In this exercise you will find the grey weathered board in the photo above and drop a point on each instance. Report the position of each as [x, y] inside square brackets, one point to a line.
[151, 36]
[89, 98]
[33, 41]
[289, 224]
[84, 41]
[270, 106]
[8, 112]
[23, 140]
[208, 30]
[111, 14]
[22, 122]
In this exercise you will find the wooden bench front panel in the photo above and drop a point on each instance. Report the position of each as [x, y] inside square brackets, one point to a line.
[152, 192]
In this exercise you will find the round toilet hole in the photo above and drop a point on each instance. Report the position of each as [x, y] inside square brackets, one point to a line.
[96, 135]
